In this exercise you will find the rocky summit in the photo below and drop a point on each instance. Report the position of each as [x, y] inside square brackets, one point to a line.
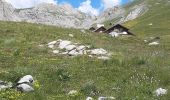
[49, 14]
[66, 16]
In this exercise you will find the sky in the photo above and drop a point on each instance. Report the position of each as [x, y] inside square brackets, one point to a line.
[92, 7]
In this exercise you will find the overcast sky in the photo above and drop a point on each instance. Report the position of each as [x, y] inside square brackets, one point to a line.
[93, 7]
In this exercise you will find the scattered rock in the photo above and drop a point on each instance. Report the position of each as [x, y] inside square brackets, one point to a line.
[106, 98]
[5, 85]
[73, 93]
[24, 88]
[160, 92]
[51, 46]
[100, 51]
[70, 47]
[104, 58]
[66, 47]
[56, 51]
[153, 43]
[52, 43]
[41, 45]
[145, 41]
[73, 53]
[150, 24]
[64, 43]
[89, 98]
[82, 47]
[71, 35]
[26, 79]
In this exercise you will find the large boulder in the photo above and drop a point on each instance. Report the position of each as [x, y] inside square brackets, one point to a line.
[26, 79]
[24, 88]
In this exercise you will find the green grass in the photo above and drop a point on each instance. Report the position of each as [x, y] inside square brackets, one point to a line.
[122, 77]
[134, 71]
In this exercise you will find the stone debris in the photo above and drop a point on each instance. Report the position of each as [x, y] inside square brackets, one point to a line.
[100, 51]
[89, 98]
[70, 47]
[73, 93]
[65, 47]
[150, 24]
[160, 92]
[23, 85]
[24, 88]
[106, 98]
[52, 43]
[64, 43]
[5, 85]
[153, 43]
[26, 79]
[71, 35]
[103, 58]
[56, 51]
[51, 46]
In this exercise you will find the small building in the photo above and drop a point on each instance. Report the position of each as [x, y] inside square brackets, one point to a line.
[92, 29]
[119, 29]
[100, 30]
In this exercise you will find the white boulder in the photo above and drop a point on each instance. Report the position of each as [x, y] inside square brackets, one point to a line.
[26, 79]
[4, 85]
[82, 47]
[150, 24]
[73, 93]
[160, 92]
[56, 51]
[70, 47]
[106, 98]
[153, 43]
[51, 46]
[52, 43]
[100, 51]
[89, 98]
[24, 88]
[103, 58]
[71, 35]
[73, 52]
[64, 43]
[64, 53]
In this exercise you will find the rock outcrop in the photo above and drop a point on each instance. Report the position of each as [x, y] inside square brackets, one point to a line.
[49, 14]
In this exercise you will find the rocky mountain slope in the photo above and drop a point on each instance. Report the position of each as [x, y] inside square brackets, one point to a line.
[124, 13]
[50, 14]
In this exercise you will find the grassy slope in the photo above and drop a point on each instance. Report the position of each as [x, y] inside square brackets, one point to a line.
[134, 71]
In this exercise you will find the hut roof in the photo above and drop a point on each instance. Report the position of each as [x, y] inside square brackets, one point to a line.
[100, 29]
[115, 26]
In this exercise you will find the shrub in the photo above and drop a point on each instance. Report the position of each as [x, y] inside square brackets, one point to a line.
[89, 89]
